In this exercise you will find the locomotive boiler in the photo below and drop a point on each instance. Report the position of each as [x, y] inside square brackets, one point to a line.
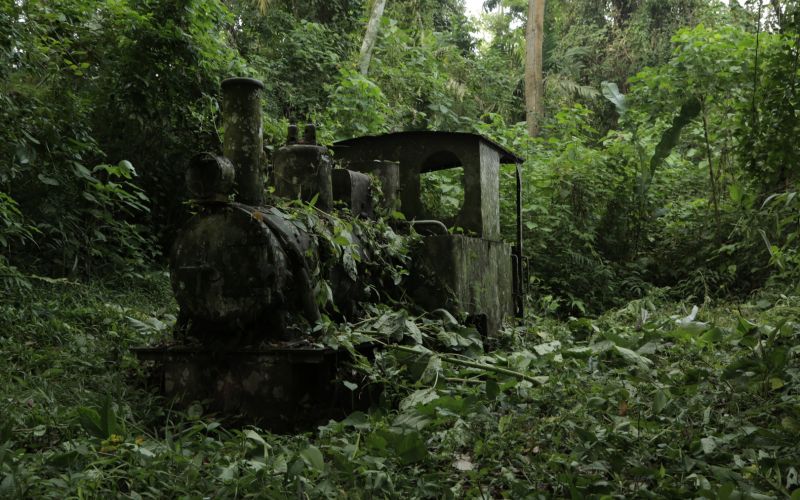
[247, 275]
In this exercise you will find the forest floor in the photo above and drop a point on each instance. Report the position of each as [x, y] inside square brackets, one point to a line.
[651, 399]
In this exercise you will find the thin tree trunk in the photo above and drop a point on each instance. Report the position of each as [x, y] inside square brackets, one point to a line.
[534, 83]
[776, 5]
[370, 36]
[712, 177]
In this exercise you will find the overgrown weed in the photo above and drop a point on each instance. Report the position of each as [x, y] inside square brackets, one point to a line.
[653, 399]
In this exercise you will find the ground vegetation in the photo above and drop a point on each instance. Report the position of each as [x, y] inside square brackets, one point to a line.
[659, 355]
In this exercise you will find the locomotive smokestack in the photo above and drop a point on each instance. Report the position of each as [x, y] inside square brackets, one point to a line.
[241, 117]
[291, 134]
[310, 134]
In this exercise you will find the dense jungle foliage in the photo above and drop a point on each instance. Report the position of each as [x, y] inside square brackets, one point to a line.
[659, 356]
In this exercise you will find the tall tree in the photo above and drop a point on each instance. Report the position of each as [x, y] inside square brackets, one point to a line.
[370, 36]
[534, 83]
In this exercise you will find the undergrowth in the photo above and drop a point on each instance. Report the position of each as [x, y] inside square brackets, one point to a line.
[653, 399]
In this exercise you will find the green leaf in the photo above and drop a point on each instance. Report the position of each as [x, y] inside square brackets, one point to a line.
[228, 473]
[633, 357]
[341, 240]
[712, 336]
[792, 478]
[790, 424]
[47, 180]
[419, 397]
[8, 486]
[548, 348]
[313, 457]
[602, 346]
[357, 420]
[611, 92]
[709, 444]
[126, 168]
[254, 436]
[660, 401]
[736, 192]
[724, 492]
[89, 419]
[776, 383]
[108, 419]
[413, 331]
[90, 197]
[82, 171]
[492, 390]
[408, 445]
[669, 139]
[415, 420]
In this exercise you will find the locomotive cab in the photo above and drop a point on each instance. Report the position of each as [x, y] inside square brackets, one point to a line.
[474, 273]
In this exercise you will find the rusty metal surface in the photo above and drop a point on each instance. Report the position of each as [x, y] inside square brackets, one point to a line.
[237, 269]
[244, 143]
[388, 175]
[302, 170]
[210, 177]
[418, 138]
[283, 387]
[419, 152]
[353, 189]
[464, 275]
[296, 354]
[241, 272]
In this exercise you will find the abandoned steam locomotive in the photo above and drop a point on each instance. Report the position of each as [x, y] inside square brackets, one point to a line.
[242, 271]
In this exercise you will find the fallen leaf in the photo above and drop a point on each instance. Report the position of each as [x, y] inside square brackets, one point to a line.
[463, 463]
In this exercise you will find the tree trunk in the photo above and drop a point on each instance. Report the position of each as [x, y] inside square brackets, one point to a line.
[534, 83]
[624, 9]
[776, 5]
[370, 36]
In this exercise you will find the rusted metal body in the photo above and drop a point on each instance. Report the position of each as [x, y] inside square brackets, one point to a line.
[244, 143]
[353, 190]
[246, 275]
[210, 178]
[465, 275]
[388, 175]
[302, 170]
[420, 152]
[282, 387]
[475, 274]
[237, 270]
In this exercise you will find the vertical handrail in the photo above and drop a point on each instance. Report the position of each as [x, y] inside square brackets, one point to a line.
[520, 285]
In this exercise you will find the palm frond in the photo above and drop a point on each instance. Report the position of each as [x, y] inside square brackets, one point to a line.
[263, 5]
[567, 87]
